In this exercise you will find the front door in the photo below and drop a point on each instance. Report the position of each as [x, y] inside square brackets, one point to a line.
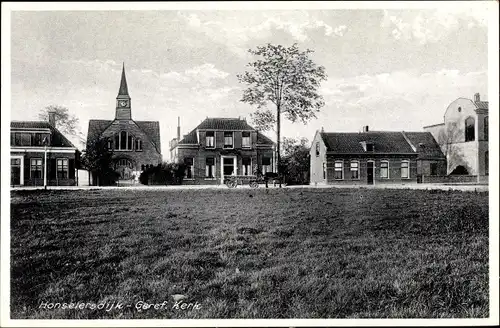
[369, 172]
[15, 171]
[228, 167]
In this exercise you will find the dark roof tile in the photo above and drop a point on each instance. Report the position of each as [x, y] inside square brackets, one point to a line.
[57, 140]
[384, 142]
[425, 145]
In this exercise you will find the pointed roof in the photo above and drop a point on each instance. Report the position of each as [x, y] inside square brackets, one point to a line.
[123, 91]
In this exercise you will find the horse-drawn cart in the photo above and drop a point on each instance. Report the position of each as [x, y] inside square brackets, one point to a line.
[232, 181]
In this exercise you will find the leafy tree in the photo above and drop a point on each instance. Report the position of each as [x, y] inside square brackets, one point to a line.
[67, 123]
[98, 160]
[286, 78]
[295, 161]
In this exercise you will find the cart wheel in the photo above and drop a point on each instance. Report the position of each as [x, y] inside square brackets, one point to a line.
[254, 184]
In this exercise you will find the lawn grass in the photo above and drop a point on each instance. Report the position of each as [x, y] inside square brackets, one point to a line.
[301, 253]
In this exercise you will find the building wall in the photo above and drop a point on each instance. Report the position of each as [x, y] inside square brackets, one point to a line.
[424, 167]
[317, 160]
[394, 169]
[52, 179]
[148, 156]
[469, 154]
[200, 155]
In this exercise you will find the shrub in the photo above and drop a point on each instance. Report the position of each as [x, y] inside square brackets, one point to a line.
[163, 174]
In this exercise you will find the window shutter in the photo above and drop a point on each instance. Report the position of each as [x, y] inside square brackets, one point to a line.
[52, 169]
[71, 168]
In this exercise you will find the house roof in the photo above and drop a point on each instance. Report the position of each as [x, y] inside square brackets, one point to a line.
[348, 143]
[150, 128]
[57, 140]
[227, 124]
[425, 145]
[481, 104]
[224, 124]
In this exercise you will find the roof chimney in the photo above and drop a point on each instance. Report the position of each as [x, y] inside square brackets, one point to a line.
[365, 128]
[52, 118]
[178, 128]
[477, 97]
[322, 130]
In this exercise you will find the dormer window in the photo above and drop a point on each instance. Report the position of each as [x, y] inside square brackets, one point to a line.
[210, 139]
[367, 145]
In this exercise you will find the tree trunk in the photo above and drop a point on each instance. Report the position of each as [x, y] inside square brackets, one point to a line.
[278, 130]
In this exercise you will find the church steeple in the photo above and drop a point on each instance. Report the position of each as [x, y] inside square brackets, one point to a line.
[123, 91]
[123, 106]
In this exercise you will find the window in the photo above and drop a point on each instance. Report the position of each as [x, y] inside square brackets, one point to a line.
[228, 140]
[189, 168]
[36, 168]
[324, 170]
[110, 144]
[339, 170]
[266, 165]
[469, 129]
[130, 142]
[384, 170]
[246, 163]
[117, 141]
[486, 163]
[317, 149]
[434, 168]
[228, 163]
[62, 168]
[486, 128]
[369, 147]
[405, 170]
[123, 140]
[38, 139]
[354, 170]
[210, 139]
[245, 142]
[210, 167]
[138, 144]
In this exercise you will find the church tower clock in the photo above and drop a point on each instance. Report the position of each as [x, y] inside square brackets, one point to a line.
[123, 103]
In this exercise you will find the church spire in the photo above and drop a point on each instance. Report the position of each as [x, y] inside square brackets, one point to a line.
[123, 106]
[123, 91]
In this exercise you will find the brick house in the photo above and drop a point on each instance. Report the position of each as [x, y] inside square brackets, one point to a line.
[41, 155]
[463, 137]
[135, 144]
[221, 147]
[374, 157]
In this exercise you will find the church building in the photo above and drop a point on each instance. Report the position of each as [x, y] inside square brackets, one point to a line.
[135, 144]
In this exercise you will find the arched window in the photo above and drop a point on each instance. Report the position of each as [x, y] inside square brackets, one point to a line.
[110, 144]
[130, 142]
[123, 140]
[486, 128]
[138, 144]
[469, 129]
[117, 141]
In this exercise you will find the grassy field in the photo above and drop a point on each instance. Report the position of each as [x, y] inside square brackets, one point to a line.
[325, 253]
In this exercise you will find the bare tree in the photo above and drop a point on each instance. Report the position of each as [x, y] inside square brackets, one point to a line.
[287, 78]
[67, 123]
[447, 140]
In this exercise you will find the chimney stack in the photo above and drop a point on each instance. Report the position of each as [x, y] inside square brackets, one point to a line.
[365, 128]
[322, 130]
[477, 97]
[178, 128]
[52, 118]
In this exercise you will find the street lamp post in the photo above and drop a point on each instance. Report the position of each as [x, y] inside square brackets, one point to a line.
[45, 168]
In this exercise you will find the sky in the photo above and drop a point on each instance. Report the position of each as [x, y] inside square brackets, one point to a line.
[388, 69]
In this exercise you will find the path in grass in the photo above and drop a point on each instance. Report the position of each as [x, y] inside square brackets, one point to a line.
[251, 253]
